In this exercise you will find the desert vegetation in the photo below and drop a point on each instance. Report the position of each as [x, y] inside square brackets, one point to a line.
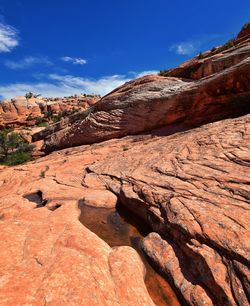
[14, 149]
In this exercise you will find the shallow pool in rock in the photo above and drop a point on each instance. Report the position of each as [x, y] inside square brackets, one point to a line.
[118, 228]
[36, 197]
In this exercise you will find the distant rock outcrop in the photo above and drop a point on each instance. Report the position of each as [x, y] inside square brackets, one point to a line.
[21, 111]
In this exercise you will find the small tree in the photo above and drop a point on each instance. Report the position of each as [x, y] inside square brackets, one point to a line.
[4, 143]
[13, 148]
[13, 141]
[29, 95]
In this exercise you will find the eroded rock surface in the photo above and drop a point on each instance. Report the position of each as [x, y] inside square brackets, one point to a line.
[21, 111]
[219, 88]
[192, 188]
[191, 185]
[47, 255]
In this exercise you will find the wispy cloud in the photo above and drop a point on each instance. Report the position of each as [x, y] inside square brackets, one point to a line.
[143, 73]
[28, 62]
[74, 60]
[8, 38]
[99, 86]
[57, 85]
[194, 45]
[64, 85]
[185, 48]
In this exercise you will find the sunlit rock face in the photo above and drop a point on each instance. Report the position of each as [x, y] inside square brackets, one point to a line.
[200, 91]
[21, 111]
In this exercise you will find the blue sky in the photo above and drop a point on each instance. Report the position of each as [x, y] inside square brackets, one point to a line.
[60, 48]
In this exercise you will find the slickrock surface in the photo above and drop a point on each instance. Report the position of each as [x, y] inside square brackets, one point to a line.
[207, 88]
[191, 187]
[47, 255]
[17, 111]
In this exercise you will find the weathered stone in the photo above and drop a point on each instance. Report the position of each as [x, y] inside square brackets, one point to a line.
[193, 189]
[18, 111]
[152, 102]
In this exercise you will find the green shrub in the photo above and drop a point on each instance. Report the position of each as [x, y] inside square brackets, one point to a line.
[75, 110]
[17, 158]
[48, 114]
[14, 149]
[227, 45]
[246, 25]
[163, 72]
[56, 118]
[200, 56]
[28, 95]
[42, 124]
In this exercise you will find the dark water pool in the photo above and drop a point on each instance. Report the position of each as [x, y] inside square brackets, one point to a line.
[36, 197]
[118, 228]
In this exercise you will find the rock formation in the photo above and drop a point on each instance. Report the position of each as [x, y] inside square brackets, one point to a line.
[154, 101]
[20, 110]
[215, 60]
[191, 187]
[47, 255]
[186, 174]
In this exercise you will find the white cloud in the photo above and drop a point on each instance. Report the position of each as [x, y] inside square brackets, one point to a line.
[27, 62]
[100, 86]
[8, 38]
[187, 48]
[57, 85]
[74, 60]
[193, 45]
[64, 85]
[141, 74]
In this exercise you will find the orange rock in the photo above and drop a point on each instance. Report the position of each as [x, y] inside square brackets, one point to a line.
[153, 101]
[100, 198]
[17, 111]
[191, 187]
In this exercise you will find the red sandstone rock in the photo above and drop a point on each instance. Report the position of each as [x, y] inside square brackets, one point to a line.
[153, 101]
[47, 255]
[100, 198]
[17, 111]
[193, 189]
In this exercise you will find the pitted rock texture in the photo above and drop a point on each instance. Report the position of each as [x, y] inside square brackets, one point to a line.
[193, 188]
[154, 101]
